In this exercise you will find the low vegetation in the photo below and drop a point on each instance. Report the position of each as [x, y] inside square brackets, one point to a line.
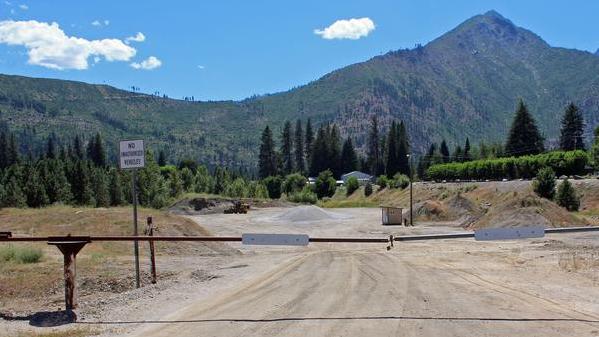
[20, 254]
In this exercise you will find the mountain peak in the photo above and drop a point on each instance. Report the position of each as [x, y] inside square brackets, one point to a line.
[494, 14]
[597, 52]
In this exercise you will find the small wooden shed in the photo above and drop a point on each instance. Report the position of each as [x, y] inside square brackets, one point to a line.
[391, 215]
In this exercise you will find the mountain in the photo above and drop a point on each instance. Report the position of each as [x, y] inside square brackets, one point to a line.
[463, 84]
[597, 52]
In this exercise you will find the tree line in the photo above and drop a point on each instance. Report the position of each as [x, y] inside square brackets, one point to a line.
[309, 153]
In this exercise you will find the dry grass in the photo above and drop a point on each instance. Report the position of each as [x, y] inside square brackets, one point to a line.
[69, 332]
[40, 285]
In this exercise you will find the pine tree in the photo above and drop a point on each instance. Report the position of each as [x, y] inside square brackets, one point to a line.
[467, 149]
[403, 149]
[78, 148]
[3, 150]
[34, 189]
[595, 149]
[572, 131]
[334, 151]
[444, 151]
[566, 196]
[161, 158]
[300, 164]
[287, 148]
[458, 154]
[175, 184]
[52, 172]
[100, 187]
[349, 158]
[14, 195]
[392, 164]
[524, 137]
[320, 153]
[50, 148]
[115, 188]
[12, 155]
[267, 161]
[187, 179]
[308, 141]
[151, 187]
[99, 152]
[374, 148]
[81, 184]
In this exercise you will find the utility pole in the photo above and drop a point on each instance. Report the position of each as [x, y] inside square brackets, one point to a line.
[411, 190]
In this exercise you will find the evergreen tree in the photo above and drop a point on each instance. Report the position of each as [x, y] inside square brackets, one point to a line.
[187, 179]
[77, 148]
[467, 156]
[267, 161]
[50, 148]
[52, 173]
[34, 189]
[3, 150]
[96, 152]
[349, 158]
[566, 196]
[403, 149]
[287, 148]
[100, 187]
[374, 148]
[12, 154]
[392, 165]
[544, 183]
[151, 187]
[524, 137]
[334, 151]
[14, 195]
[444, 151]
[222, 178]
[81, 184]
[175, 184]
[203, 181]
[572, 131]
[458, 154]
[300, 164]
[319, 158]
[309, 140]
[115, 188]
[595, 149]
[161, 158]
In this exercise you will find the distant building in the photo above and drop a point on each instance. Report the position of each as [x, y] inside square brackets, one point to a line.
[362, 177]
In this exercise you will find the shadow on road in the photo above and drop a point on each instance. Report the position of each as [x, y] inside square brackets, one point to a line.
[44, 318]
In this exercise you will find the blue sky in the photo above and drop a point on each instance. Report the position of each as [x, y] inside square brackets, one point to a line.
[233, 49]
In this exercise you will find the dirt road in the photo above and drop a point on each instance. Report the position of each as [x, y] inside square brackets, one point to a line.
[443, 288]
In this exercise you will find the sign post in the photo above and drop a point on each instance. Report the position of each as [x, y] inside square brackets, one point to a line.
[132, 156]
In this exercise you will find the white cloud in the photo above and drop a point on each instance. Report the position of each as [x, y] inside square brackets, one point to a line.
[106, 22]
[48, 46]
[139, 37]
[148, 64]
[201, 67]
[352, 29]
[24, 7]
[99, 23]
[96, 23]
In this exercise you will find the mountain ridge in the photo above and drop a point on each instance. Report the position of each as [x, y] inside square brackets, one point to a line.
[464, 83]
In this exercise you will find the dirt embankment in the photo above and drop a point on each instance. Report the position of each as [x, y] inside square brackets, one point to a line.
[490, 204]
[217, 205]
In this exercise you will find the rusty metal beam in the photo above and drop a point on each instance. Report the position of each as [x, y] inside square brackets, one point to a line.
[69, 249]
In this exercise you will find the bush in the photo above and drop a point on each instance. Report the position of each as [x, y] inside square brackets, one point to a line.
[562, 163]
[273, 185]
[20, 254]
[544, 183]
[305, 196]
[566, 196]
[368, 189]
[382, 181]
[400, 181]
[352, 185]
[325, 185]
[294, 183]
[237, 189]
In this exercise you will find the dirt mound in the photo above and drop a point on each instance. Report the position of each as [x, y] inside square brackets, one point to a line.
[527, 210]
[308, 213]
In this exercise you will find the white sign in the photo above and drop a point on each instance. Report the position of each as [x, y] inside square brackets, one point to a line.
[489, 234]
[275, 239]
[132, 154]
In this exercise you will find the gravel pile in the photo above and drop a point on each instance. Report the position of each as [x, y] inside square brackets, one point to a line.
[308, 213]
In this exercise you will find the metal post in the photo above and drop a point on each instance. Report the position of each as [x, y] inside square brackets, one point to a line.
[411, 193]
[152, 256]
[135, 233]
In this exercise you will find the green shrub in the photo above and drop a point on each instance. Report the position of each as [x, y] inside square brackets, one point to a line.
[400, 181]
[325, 185]
[382, 181]
[20, 254]
[566, 196]
[305, 196]
[237, 189]
[368, 189]
[294, 183]
[562, 163]
[544, 183]
[352, 185]
[273, 185]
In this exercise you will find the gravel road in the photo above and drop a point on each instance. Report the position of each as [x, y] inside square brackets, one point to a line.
[441, 288]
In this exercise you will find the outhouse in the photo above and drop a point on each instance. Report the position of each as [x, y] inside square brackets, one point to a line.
[391, 215]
